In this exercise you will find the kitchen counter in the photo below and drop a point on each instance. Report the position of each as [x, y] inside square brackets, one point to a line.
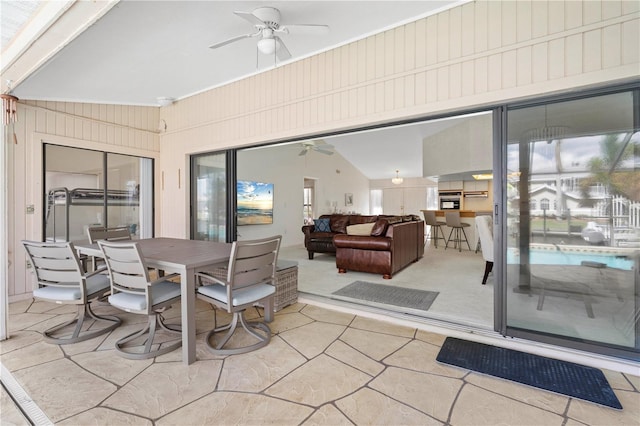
[463, 213]
[466, 213]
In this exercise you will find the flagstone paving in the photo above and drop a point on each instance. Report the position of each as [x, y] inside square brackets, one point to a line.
[322, 367]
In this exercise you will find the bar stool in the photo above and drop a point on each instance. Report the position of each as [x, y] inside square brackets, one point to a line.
[453, 222]
[436, 225]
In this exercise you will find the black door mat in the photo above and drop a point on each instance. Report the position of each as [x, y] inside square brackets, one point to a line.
[562, 377]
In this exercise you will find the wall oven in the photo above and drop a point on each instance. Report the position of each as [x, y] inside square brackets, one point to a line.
[450, 200]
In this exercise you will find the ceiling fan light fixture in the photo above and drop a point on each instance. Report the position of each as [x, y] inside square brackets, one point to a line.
[268, 45]
[397, 180]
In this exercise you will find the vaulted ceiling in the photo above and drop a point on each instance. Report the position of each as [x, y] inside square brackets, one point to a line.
[139, 51]
[135, 52]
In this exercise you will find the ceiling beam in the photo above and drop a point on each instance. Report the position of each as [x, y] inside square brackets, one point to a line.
[54, 25]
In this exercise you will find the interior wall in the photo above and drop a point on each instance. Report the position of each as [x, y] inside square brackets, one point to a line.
[464, 147]
[123, 129]
[334, 178]
[477, 54]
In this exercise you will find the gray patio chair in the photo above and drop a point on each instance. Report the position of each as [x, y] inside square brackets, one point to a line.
[133, 291]
[62, 280]
[249, 280]
[117, 233]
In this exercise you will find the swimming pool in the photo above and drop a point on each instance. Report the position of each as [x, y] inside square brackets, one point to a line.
[565, 257]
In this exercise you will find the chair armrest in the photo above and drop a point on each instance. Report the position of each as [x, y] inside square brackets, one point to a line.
[308, 229]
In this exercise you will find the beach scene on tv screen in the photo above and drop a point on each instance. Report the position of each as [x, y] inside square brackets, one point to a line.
[255, 203]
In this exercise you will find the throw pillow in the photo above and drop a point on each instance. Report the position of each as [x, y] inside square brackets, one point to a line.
[379, 228]
[339, 224]
[360, 229]
[321, 225]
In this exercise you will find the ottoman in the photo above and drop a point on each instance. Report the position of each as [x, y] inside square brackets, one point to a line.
[286, 283]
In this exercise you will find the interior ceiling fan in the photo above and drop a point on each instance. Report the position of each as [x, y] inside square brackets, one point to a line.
[266, 21]
[318, 146]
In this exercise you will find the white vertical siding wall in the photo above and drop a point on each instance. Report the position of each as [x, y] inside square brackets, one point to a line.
[475, 54]
[114, 128]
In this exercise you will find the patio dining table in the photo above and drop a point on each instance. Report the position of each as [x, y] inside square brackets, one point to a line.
[182, 256]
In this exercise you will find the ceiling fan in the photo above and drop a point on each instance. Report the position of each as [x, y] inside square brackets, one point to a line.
[266, 21]
[318, 146]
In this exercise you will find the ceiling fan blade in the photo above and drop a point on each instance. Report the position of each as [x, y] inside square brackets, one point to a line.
[249, 16]
[282, 53]
[323, 151]
[231, 40]
[304, 151]
[310, 29]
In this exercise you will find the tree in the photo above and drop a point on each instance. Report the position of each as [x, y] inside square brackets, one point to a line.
[609, 170]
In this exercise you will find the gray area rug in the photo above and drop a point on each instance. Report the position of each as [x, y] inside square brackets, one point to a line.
[403, 299]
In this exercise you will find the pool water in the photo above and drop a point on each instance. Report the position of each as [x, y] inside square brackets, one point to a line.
[547, 257]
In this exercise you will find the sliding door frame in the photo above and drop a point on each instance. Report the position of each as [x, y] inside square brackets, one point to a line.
[500, 240]
[499, 215]
[231, 225]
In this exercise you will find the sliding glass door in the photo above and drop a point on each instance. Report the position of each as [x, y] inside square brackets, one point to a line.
[210, 189]
[573, 222]
[85, 188]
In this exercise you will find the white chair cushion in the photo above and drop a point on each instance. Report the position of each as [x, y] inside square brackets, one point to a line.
[160, 292]
[58, 293]
[241, 296]
[95, 284]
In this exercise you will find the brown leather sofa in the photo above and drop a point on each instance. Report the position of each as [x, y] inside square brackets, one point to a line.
[401, 244]
[394, 243]
[322, 241]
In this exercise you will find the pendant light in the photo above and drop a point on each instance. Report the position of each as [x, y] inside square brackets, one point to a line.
[397, 180]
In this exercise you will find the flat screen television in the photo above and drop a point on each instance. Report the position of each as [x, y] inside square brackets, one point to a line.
[255, 203]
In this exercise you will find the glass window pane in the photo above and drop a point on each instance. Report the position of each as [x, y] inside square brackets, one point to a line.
[128, 185]
[432, 198]
[73, 189]
[76, 198]
[376, 201]
[210, 181]
[573, 203]
[307, 208]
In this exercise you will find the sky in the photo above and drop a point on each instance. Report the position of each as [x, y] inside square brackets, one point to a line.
[255, 194]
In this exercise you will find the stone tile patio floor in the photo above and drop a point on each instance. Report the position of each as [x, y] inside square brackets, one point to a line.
[321, 367]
